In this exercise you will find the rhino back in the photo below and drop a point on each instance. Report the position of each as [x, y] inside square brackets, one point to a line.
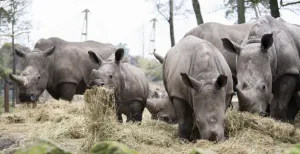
[294, 31]
[195, 57]
[284, 56]
[70, 61]
[213, 32]
[136, 85]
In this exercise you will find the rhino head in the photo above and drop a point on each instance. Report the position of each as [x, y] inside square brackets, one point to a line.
[109, 74]
[34, 78]
[254, 89]
[208, 97]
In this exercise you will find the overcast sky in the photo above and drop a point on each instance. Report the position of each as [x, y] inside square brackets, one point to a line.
[115, 21]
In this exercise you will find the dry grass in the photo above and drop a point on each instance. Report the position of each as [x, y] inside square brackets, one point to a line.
[60, 121]
[76, 126]
[247, 133]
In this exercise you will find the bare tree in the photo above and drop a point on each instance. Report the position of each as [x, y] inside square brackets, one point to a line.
[14, 24]
[197, 10]
[169, 9]
[274, 8]
[288, 3]
[252, 8]
[241, 11]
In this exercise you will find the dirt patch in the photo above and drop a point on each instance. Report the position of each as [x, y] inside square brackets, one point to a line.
[8, 142]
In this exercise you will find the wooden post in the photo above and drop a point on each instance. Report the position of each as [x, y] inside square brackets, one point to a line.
[6, 97]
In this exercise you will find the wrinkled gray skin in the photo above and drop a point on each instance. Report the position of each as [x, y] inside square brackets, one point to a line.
[162, 109]
[267, 69]
[213, 32]
[198, 81]
[62, 68]
[129, 82]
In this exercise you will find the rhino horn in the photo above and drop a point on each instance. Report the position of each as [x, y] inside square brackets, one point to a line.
[158, 57]
[241, 95]
[17, 79]
[151, 106]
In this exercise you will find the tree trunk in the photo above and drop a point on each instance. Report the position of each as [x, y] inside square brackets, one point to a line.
[171, 23]
[255, 9]
[14, 97]
[6, 97]
[274, 8]
[241, 11]
[197, 11]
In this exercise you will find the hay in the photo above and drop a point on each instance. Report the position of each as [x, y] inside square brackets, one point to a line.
[247, 133]
[100, 115]
[77, 126]
[60, 121]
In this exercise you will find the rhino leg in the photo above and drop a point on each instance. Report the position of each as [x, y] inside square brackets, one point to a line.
[67, 91]
[283, 90]
[135, 112]
[235, 82]
[293, 108]
[185, 118]
[53, 94]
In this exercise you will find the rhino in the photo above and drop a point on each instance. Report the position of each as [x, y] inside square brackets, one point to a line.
[162, 109]
[198, 81]
[129, 82]
[267, 69]
[213, 32]
[60, 67]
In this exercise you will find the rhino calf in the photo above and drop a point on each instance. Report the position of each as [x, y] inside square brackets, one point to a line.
[198, 81]
[162, 109]
[129, 82]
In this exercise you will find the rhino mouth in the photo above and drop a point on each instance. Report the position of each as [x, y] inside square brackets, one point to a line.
[93, 83]
[27, 98]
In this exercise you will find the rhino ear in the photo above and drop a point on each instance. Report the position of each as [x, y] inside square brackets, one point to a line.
[94, 57]
[20, 53]
[119, 55]
[49, 51]
[221, 81]
[231, 46]
[190, 82]
[266, 42]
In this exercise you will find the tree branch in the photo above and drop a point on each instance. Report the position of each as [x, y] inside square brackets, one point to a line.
[158, 6]
[290, 3]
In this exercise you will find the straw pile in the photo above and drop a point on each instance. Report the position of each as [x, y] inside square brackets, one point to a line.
[247, 133]
[78, 126]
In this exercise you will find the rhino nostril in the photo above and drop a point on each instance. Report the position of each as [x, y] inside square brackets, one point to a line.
[102, 84]
[32, 97]
[213, 136]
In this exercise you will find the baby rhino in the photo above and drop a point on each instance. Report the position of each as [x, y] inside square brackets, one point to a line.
[128, 81]
[199, 83]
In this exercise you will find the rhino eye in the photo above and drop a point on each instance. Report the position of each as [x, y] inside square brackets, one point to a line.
[110, 76]
[264, 87]
[245, 85]
[39, 77]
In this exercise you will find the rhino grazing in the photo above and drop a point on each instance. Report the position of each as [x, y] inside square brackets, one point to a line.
[198, 81]
[129, 82]
[162, 109]
[62, 68]
[267, 69]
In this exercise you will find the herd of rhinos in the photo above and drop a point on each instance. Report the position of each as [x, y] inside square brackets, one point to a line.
[258, 60]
